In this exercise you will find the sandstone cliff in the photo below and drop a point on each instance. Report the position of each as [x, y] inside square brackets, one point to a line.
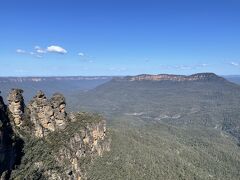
[170, 77]
[16, 106]
[56, 145]
[47, 115]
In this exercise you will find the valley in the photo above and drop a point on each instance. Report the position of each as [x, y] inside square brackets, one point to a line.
[165, 128]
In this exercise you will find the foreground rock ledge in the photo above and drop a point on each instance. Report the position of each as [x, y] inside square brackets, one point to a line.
[41, 141]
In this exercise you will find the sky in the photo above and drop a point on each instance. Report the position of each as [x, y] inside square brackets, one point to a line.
[119, 37]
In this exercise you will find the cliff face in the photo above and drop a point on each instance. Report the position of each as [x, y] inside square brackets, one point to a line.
[16, 106]
[82, 146]
[56, 145]
[6, 142]
[47, 115]
[170, 77]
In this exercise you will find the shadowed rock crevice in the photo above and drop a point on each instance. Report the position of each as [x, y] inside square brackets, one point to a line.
[11, 146]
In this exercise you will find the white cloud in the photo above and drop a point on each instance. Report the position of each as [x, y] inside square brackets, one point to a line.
[81, 54]
[234, 63]
[34, 54]
[37, 47]
[21, 51]
[204, 65]
[56, 49]
[41, 51]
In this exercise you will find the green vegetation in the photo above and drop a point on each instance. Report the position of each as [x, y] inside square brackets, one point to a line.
[40, 154]
[167, 130]
[212, 103]
[142, 150]
[159, 130]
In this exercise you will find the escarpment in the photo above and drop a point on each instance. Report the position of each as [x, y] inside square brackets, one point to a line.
[55, 145]
[176, 78]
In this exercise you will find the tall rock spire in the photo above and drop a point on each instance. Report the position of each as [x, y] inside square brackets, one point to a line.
[16, 106]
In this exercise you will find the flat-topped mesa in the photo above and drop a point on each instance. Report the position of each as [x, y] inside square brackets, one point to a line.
[47, 115]
[16, 106]
[171, 77]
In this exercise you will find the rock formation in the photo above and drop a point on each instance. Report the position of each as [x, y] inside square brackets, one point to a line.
[16, 106]
[47, 115]
[85, 143]
[56, 144]
[7, 141]
[170, 77]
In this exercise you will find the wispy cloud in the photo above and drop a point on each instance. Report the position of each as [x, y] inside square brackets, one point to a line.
[39, 52]
[86, 58]
[81, 54]
[21, 51]
[203, 65]
[56, 49]
[183, 67]
[234, 64]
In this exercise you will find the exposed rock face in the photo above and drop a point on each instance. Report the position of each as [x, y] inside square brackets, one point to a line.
[86, 143]
[7, 153]
[16, 106]
[47, 115]
[64, 154]
[56, 144]
[170, 77]
[60, 115]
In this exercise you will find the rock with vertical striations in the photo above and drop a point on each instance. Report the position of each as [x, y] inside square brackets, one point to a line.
[16, 106]
[47, 115]
[60, 115]
[28, 149]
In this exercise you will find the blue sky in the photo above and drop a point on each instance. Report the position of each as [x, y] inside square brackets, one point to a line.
[119, 37]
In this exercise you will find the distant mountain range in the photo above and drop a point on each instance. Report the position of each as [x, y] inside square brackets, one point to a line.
[158, 77]
[162, 126]
[172, 77]
[233, 78]
[57, 78]
[203, 99]
[50, 85]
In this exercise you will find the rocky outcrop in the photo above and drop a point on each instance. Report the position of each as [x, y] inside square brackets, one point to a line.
[170, 77]
[65, 154]
[16, 106]
[8, 150]
[88, 142]
[56, 145]
[47, 115]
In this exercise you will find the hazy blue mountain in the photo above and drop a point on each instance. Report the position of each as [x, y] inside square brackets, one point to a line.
[50, 85]
[233, 78]
[168, 127]
[208, 102]
[161, 126]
